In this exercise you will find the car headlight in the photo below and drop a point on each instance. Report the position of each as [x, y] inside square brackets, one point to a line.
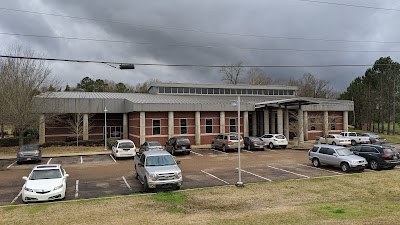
[178, 175]
[354, 162]
[58, 187]
[153, 176]
[36, 152]
[28, 189]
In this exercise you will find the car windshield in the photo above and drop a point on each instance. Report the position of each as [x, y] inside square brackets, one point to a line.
[279, 136]
[162, 160]
[45, 174]
[352, 134]
[126, 145]
[26, 148]
[344, 152]
[183, 141]
[154, 144]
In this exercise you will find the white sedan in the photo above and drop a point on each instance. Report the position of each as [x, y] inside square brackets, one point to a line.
[45, 183]
[335, 139]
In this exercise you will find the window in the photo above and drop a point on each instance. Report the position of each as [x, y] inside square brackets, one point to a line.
[260, 92]
[186, 90]
[280, 92]
[180, 90]
[222, 91]
[232, 125]
[156, 127]
[192, 90]
[314, 149]
[167, 90]
[249, 91]
[204, 91]
[233, 91]
[227, 91]
[333, 124]
[275, 92]
[198, 91]
[208, 126]
[324, 151]
[216, 91]
[210, 91]
[331, 151]
[290, 92]
[161, 90]
[183, 123]
[312, 124]
[174, 90]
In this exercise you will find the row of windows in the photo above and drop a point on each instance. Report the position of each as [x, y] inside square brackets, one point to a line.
[184, 126]
[313, 125]
[222, 91]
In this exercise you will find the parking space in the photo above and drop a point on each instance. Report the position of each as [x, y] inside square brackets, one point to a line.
[7, 163]
[101, 175]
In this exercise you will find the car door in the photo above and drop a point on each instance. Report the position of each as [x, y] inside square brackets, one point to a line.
[365, 152]
[218, 141]
[333, 157]
[322, 155]
[140, 168]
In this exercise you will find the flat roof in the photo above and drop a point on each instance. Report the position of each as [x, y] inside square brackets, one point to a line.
[231, 86]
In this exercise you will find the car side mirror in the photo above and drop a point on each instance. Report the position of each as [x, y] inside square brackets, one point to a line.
[335, 154]
[178, 162]
[24, 178]
[66, 175]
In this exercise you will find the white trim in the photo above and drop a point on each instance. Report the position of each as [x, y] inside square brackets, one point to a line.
[205, 124]
[152, 127]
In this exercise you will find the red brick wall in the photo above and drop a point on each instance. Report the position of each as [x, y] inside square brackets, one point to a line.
[134, 127]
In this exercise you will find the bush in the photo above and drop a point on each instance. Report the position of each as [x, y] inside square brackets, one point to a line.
[11, 142]
[111, 141]
[81, 143]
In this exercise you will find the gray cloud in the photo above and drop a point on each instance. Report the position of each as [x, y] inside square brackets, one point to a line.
[277, 18]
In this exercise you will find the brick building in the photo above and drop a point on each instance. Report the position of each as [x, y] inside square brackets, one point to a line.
[196, 111]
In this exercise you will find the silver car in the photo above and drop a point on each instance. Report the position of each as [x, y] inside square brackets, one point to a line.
[150, 145]
[336, 156]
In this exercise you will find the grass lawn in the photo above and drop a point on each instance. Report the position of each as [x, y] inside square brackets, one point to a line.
[11, 151]
[361, 198]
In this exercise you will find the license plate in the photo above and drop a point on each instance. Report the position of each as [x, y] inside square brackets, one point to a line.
[183, 147]
[29, 159]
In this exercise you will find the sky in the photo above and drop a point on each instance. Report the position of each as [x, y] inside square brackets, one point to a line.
[162, 24]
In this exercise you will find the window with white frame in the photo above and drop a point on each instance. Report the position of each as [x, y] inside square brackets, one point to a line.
[209, 129]
[183, 123]
[156, 127]
[232, 125]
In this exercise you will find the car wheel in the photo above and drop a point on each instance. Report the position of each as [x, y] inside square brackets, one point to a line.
[271, 145]
[187, 153]
[316, 162]
[248, 147]
[353, 142]
[145, 185]
[212, 146]
[223, 148]
[178, 187]
[345, 167]
[374, 165]
[333, 143]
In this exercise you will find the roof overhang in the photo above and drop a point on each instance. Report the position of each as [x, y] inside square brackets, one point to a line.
[285, 103]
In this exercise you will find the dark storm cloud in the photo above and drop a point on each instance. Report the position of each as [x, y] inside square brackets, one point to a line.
[289, 18]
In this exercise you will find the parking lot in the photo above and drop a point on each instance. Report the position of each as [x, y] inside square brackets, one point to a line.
[102, 175]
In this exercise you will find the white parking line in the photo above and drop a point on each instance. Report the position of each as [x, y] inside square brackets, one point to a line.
[214, 176]
[196, 153]
[247, 151]
[289, 172]
[272, 150]
[48, 162]
[16, 197]
[255, 175]
[218, 151]
[11, 164]
[126, 182]
[76, 188]
[112, 158]
[320, 169]
[81, 159]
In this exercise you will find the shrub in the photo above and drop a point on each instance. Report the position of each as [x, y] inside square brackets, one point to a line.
[111, 141]
[81, 143]
[11, 142]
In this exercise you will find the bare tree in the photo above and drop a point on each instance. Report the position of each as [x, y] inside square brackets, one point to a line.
[75, 125]
[310, 86]
[21, 80]
[257, 76]
[231, 74]
[294, 126]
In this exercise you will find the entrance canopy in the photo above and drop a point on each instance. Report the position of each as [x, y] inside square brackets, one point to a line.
[291, 103]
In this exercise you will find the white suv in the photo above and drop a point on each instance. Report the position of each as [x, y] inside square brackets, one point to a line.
[123, 148]
[275, 140]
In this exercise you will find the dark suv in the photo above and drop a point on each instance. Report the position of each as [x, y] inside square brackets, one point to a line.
[178, 144]
[378, 156]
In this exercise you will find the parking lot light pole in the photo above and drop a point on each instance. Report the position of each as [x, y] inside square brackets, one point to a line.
[239, 183]
[105, 128]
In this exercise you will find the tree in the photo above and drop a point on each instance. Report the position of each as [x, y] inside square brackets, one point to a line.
[310, 86]
[144, 87]
[257, 76]
[67, 88]
[20, 81]
[121, 88]
[86, 84]
[231, 74]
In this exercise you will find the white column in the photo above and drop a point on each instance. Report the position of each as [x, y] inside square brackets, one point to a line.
[125, 128]
[170, 124]
[305, 125]
[300, 126]
[85, 126]
[280, 121]
[286, 123]
[326, 123]
[273, 120]
[254, 123]
[142, 127]
[222, 122]
[345, 121]
[197, 136]
[42, 129]
[246, 123]
[266, 122]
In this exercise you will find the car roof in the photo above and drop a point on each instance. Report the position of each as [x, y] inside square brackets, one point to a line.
[329, 146]
[156, 152]
[47, 167]
[124, 140]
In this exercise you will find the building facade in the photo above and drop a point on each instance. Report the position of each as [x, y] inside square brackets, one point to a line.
[196, 111]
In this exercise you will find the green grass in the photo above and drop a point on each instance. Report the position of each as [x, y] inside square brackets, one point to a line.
[170, 197]
[389, 138]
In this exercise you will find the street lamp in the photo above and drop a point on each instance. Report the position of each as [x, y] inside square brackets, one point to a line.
[105, 128]
[239, 183]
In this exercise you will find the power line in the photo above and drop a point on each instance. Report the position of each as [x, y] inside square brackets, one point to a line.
[197, 46]
[350, 5]
[187, 65]
[201, 31]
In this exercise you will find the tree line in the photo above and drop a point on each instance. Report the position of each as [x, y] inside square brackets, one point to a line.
[376, 96]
